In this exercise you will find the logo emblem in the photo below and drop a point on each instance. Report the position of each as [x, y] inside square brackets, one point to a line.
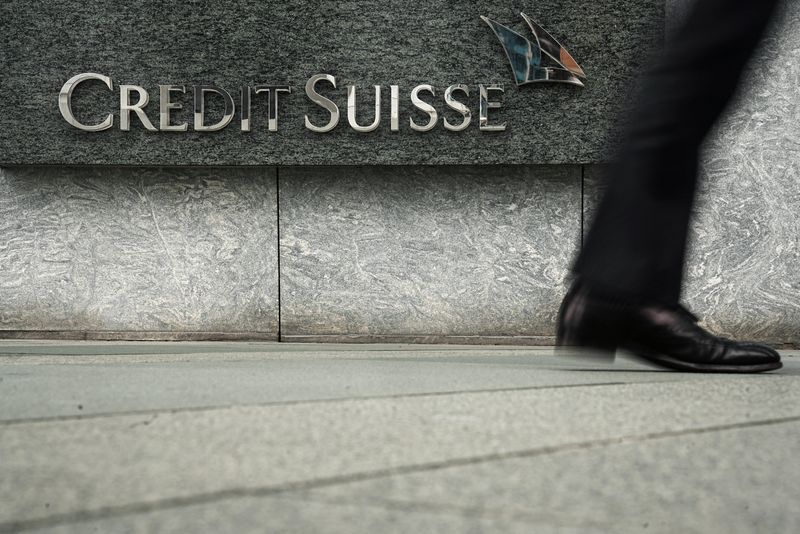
[526, 56]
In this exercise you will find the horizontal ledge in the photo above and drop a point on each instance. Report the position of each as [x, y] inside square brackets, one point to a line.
[269, 166]
[434, 339]
[134, 335]
[421, 339]
[155, 335]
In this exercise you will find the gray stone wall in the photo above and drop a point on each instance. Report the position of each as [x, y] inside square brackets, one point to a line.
[469, 252]
[426, 253]
[743, 270]
[465, 254]
[361, 43]
[126, 252]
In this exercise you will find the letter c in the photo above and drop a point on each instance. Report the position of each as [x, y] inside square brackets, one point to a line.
[65, 101]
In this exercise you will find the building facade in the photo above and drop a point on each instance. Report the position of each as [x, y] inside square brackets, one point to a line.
[356, 172]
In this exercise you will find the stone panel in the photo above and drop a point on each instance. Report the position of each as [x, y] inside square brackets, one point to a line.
[426, 252]
[743, 270]
[745, 267]
[126, 249]
[254, 42]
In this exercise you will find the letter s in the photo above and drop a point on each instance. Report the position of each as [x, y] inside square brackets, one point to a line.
[326, 103]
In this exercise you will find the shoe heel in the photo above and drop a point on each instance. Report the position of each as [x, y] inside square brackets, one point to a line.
[585, 342]
[584, 327]
[595, 347]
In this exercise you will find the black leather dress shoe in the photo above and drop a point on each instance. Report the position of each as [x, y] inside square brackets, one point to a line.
[667, 336]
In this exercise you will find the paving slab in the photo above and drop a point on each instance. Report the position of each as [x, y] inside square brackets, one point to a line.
[736, 480]
[178, 438]
[123, 377]
[689, 484]
[292, 516]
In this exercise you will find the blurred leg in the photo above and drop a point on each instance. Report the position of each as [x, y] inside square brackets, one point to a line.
[636, 245]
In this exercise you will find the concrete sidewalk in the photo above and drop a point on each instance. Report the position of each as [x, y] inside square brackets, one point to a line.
[276, 437]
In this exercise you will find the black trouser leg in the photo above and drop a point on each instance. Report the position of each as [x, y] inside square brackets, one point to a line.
[636, 245]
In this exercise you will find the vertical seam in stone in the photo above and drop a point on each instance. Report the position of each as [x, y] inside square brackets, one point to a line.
[583, 192]
[278, 227]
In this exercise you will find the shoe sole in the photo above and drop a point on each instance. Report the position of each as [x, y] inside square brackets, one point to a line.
[605, 355]
[678, 365]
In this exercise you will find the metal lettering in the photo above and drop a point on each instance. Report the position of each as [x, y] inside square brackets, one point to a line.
[394, 120]
[424, 106]
[125, 107]
[458, 106]
[320, 100]
[272, 102]
[245, 107]
[351, 110]
[65, 102]
[165, 105]
[199, 108]
[485, 105]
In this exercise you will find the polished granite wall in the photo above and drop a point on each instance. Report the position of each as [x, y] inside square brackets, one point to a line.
[237, 43]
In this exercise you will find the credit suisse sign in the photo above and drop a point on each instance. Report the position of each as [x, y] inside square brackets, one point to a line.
[255, 103]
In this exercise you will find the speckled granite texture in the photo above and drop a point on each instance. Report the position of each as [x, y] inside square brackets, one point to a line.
[743, 270]
[42, 44]
[426, 251]
[133, 249]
